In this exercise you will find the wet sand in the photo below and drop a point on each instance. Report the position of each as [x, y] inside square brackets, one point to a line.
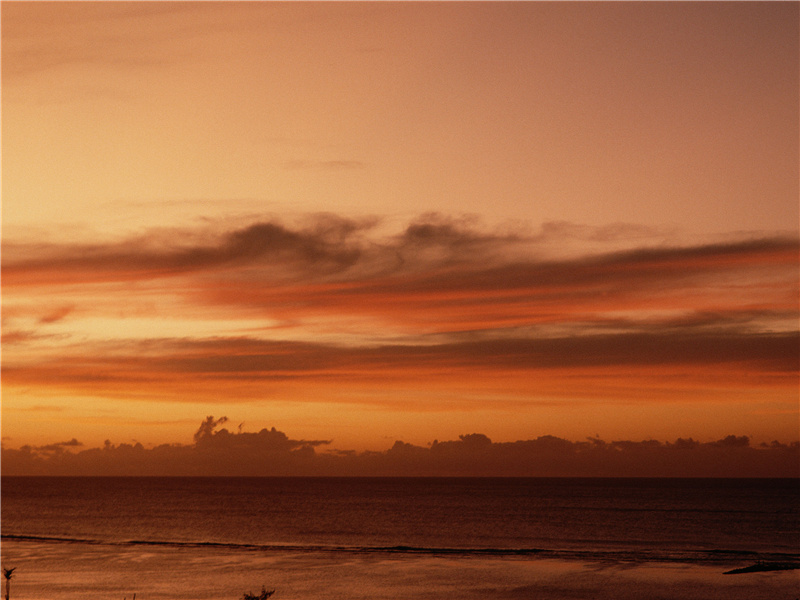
[68, 572]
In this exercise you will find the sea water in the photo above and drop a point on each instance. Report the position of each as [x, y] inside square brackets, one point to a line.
[393, 538]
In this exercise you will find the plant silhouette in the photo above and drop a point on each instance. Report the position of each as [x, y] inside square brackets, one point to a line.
[262, 596]
[7, 573]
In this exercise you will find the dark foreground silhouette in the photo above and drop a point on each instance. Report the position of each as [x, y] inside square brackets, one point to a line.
[262, 596]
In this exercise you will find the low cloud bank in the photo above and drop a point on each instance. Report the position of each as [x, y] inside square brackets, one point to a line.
[219, 452]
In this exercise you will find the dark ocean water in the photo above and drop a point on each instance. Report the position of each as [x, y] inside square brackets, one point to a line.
[393, 538]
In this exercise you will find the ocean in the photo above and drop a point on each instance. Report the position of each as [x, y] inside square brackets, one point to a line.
[398, 538]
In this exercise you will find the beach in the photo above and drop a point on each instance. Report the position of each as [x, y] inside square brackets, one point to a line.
[67, 571]
[399, 538]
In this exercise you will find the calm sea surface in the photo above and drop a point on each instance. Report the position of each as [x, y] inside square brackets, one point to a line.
[196, 538]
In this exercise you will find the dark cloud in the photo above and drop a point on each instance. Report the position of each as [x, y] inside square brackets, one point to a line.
[439, 276]
[57, 448]
[321, 246]
[467, 300]
[184, 361]
[487, 261]
[733, 441]
[271, 452]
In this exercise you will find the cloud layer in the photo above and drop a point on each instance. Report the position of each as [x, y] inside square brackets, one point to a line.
[332, 306]
[218, 452]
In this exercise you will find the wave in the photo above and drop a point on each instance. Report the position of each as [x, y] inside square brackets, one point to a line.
[280, 547]
[713, 556]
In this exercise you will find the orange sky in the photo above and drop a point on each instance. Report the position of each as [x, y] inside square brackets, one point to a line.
[368, 222]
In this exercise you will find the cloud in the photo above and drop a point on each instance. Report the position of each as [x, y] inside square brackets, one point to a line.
[438, 274]
[57, 448]
[70, 444]
[171, 254]
[561, 230]
[47, 40]
[270, 452]
[17, 337]
[433, 252]
[442, 301]
[56, 315]
[214, 452]
[621, 365]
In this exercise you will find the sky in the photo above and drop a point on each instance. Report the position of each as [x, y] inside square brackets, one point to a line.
[364, 223]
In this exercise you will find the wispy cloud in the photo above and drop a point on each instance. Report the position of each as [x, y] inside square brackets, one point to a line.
[45, 40]
[613, 366]
[163, 254]
[56, 315]
[427, 256]
[441, 301]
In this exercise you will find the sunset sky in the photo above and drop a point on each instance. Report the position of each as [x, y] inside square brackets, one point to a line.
[367, 222]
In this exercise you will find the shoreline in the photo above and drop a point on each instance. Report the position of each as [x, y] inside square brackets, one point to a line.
[65, 572]
[761, 560]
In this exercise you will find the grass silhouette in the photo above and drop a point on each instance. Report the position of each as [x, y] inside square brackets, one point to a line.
[7, 573]
[262, 596]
